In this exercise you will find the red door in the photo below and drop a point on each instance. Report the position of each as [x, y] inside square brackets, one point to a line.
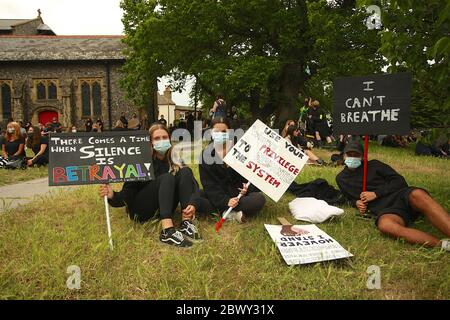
[47, 116]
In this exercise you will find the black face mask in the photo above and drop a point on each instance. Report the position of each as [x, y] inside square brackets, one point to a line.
[30, 135]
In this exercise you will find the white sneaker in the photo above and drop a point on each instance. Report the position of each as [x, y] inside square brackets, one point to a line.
[445, 244]
[235, 216]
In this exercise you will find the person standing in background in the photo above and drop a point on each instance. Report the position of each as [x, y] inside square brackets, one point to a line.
[88, 124]
[219, 107]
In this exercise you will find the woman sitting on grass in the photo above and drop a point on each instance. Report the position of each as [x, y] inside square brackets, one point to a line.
[39, 145]
[221, 183]
[173, 184]
[13, 145]
[294, 137]
[394, 204]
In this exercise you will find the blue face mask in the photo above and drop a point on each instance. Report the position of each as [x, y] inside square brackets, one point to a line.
[162, 146]
[220, 137]
[352, 162]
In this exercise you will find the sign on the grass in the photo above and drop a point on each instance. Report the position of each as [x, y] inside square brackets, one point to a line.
[95, 158]
[302, 244]
[375, 104]
[266, 160]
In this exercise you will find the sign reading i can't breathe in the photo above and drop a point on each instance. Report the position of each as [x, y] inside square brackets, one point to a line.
[266, 160]
[375, 104]
[96, 158]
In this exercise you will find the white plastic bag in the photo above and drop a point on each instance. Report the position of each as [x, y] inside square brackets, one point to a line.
[313, 210]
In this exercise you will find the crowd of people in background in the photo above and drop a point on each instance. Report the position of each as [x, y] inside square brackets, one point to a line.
[312, 130]
[394, 204]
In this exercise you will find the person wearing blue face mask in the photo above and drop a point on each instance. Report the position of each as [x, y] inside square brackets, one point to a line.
[221, 183]
[393, 203]
[174, 184]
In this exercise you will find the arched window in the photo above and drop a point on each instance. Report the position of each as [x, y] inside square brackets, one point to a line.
[86, 99]
[41, 91]
[52, 91]
[97, 99]
[6, 101]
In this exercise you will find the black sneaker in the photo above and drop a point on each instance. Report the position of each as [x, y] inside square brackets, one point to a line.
[190, 230]
[174, 238]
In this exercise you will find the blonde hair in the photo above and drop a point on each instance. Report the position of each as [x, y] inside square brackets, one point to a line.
[16, 135]
[175, 163]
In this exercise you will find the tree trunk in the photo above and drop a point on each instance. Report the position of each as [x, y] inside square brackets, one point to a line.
[291, 80]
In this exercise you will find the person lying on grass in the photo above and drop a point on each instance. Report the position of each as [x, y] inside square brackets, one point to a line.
[173, 184]
[388, 197]
[221, 183]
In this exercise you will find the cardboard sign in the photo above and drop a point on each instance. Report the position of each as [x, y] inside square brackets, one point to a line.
[267, 160]
[376, 104]
[302, 244]
[96, 158]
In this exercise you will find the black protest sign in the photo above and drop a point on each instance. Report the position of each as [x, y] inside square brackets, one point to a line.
[375, 104]
[96, 158]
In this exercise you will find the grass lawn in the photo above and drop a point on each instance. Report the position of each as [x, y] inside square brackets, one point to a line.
[16, 176]
[40, 240]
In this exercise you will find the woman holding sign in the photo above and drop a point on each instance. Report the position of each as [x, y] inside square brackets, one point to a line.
[173, 184]
[221, 183]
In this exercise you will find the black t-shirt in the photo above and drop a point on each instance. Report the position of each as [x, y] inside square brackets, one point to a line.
[37, 147]
[13, 146]
[160, 166]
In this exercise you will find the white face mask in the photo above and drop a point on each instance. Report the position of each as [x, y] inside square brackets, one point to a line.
[11, 130]
[74, 130]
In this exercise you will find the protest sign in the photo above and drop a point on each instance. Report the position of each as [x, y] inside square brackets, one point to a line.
[302, 244]
[267, 160]
[375, 104]
[97, 158]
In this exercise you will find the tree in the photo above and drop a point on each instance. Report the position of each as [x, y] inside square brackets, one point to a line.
[260, 54]
[416, 39]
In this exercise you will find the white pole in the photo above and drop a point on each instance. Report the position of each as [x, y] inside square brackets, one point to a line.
[108, 223]
[230, 208]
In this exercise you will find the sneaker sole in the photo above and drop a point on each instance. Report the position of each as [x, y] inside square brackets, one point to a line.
[172, 244]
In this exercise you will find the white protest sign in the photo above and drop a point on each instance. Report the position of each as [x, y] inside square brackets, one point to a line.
[266, 159]
[302, 244]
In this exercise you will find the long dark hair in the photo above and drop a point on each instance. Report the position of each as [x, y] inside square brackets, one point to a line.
[36, 139]
[290, 133]
[222, 120]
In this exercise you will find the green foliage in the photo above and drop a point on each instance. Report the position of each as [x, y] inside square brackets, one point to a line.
[258, 53]
[415, 39]
[262, 55]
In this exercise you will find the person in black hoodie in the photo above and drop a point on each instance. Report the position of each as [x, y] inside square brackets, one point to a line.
[221, 183]
[174, 183]
[389, 198]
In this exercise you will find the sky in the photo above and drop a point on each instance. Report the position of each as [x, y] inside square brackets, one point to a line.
[77, 17]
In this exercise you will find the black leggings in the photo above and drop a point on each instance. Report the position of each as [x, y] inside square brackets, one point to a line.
[164, 194]
[251, 204]
[41, 160]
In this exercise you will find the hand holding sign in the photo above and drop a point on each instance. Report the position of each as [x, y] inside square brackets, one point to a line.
[107, 157]
[266, 160]
[106, 191]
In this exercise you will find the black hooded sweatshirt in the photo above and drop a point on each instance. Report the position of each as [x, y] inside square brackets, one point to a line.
[381, 179]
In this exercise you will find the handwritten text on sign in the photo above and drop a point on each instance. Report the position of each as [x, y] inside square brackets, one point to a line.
[267, 160]
[93, 158]
[302, 244]
[376, 104]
